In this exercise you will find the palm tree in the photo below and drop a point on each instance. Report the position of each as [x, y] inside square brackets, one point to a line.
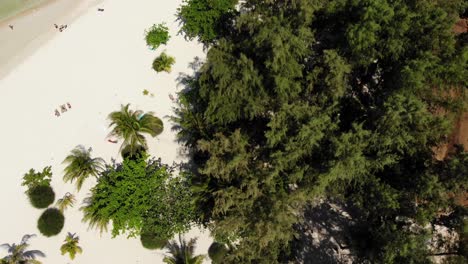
[71, 246]
[19, 255]
[81, 166]
[182, 252]
[129, 126]
[163, 63]
[68, 200]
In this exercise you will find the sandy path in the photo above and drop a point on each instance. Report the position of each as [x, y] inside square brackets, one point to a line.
[98, 63]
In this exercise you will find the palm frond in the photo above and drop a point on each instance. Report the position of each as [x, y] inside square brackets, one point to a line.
[130, 126]
[80, 166]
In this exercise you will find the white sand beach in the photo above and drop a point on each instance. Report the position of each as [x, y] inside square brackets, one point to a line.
[98, 63]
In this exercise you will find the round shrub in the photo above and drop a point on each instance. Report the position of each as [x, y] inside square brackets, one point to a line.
[51, 222]
[137, 152]
[41, 196]
[217, 251]
[163, 63]
[157, 35]
[152, 241]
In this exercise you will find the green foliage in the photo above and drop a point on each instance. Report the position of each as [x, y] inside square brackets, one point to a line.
[182, 252]
[217, 252]
[71, 246]
[80, 165]
[33, 178]
[163, 62]
[152, 240]
[139, 196]
[157, 35]
[20, 254]
[51, 222]
[301, 100]
[130, 125]
[68, 200]
[41, 196]
[205, 19]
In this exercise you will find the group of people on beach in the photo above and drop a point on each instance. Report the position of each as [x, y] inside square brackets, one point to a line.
[61, 27]
[63, 109]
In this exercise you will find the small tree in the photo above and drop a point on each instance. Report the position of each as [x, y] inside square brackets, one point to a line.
[33, 178]
[217, 251]
[80, 165]
[51, 222]
[151, 240]
[157, 35]
[182, 252]
[18, 253]
[163, 62]
[41, 196]
[68, 200]
[71, 246]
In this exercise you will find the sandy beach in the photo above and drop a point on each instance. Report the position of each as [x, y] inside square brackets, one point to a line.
[98, 63]
[34, 27]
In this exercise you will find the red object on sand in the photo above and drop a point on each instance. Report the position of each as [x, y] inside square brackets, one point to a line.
[112, 141]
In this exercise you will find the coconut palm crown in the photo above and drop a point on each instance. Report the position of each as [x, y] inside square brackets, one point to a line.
[80, 165]
[71, 246]
[130, 125]
[68, 200]
[18, 253]
[183, 252]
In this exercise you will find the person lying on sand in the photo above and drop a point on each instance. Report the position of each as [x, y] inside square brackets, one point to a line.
[63, 108]
[11, 27]
[56, 26]
[57, 113]
[112, 141]
[100, 9]
[69, 105]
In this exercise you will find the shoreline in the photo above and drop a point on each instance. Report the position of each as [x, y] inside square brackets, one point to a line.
[15, 47]
[6, 20]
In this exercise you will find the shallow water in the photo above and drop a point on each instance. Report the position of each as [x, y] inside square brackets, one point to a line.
[9, 8]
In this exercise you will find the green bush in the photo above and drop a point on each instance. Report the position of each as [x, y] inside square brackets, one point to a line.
[41, 196]
[157, 35]
[217, 251]
[128, 153]
[152, 241]
[51, 222]
[163, 63]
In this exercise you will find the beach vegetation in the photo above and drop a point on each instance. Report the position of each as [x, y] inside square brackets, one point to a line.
[130, 125]
[163, 62]
[19, 253]
[152, 241]
[217, 251]
[80, 165]
[182, 252]
[326, 100]
[145, 92]
[206, 20]
[41, 196]
[68, 200]
[51, 222]
[33, 178]
[139, 195]
[157, 35]
[71, 246]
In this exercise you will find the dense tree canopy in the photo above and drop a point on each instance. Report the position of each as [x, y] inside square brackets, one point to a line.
[307, 99]
[205, 19]
[139, 195]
